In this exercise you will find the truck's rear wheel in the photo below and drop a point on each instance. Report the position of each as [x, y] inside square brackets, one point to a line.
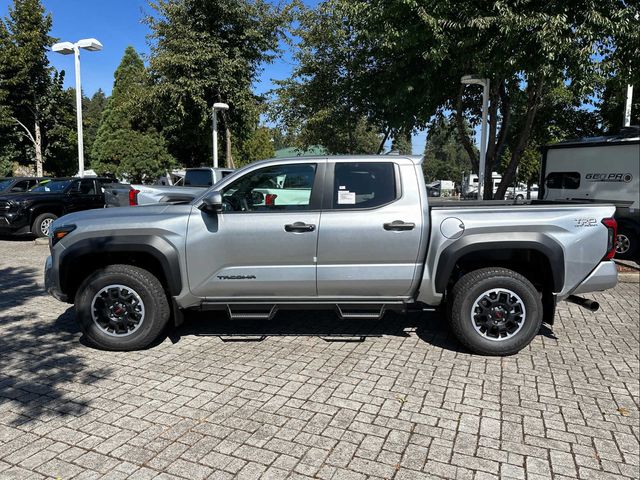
[122, 307]
[42, 224]
[626, 244]
[495, 311]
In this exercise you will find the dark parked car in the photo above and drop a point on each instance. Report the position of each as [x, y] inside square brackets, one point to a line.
[17, 184]
[35, 210]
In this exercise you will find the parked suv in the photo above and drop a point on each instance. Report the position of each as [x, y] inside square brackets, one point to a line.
[18, 184]
[35, 210]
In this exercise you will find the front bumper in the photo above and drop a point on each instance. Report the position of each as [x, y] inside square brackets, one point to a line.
[51, 281]
[604, 277]
[11, 223]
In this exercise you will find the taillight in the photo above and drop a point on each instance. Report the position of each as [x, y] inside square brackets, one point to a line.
[133, 197]
[612, 232]
[270, 199]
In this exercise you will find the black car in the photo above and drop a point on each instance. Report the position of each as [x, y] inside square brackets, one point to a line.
[35, 210]
[18, 184]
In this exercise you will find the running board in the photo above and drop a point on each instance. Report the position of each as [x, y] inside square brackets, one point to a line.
[353, 312]
[251, 314]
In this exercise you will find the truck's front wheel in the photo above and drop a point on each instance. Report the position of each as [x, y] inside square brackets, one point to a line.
[122, 307]
[495, 311]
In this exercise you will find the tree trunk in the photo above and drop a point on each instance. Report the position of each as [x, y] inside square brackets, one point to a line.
[38, 148]
[462, 132]
[384, 140]
[533, 102]
[227, 137]
[491, 141]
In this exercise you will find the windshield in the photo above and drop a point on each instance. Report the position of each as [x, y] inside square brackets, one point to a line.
[51, 186]
[4, 183]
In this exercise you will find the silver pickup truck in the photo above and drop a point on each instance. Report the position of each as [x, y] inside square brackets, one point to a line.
[192, 185]
[354, 234]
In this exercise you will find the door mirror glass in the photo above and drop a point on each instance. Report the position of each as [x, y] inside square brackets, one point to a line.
[212, 202]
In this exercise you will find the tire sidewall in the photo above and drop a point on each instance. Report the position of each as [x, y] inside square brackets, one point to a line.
[461, 314]
[144, 335]
[631, 235]
[37, 225]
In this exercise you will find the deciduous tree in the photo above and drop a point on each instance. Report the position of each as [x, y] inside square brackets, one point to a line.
[204, 52]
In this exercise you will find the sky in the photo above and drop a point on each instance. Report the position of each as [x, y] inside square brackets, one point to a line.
[118, 24]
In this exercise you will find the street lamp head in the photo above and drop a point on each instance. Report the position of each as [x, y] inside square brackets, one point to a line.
[90, 44]
[474, 80]
[220, 106]
[65, 48]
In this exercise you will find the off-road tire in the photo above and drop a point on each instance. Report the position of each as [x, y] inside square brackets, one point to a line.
[147, 287]
[38, 228]
[470, 287]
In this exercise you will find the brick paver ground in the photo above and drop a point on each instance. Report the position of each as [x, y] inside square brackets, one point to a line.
[405, 403]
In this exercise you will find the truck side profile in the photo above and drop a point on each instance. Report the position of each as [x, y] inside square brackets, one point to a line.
[355, 234]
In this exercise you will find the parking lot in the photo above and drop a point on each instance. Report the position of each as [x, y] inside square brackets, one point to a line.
[300, 401]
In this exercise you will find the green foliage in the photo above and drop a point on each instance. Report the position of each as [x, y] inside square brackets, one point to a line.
[257, 146]
[59, 130]
[92, 109]
[395, 63]
[124, 145]
[32, 101]
[321, 104]
[402, 143]
[612, 103]
[205, 52]
[444, 155]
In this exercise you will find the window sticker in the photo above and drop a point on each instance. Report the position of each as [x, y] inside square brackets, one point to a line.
[346, 197]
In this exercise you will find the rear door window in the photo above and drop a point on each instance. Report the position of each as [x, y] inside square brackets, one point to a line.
[563, 180]
[364, 184]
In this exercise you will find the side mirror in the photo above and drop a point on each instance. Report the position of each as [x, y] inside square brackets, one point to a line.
[212, 202]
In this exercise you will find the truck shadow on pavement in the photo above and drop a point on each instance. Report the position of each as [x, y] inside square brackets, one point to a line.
[429, 327]
[17, 285]
[43, 372]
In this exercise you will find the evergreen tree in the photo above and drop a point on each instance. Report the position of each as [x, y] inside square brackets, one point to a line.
[258, 146]
[402, 143]
[92, 109]
[124, 145]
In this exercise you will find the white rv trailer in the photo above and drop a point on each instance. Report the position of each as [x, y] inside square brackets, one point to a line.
[601, 170]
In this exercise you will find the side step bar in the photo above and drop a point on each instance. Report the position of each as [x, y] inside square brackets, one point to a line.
[239, 314]
[353, 312]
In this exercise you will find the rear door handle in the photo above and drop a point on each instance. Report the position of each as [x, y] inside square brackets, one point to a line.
[299, 227]
[399, 225]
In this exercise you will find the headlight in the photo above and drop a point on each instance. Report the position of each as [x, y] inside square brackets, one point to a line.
[60, 232]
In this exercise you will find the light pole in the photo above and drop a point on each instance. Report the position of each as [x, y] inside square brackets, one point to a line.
[67, 48]
[473, 80]
[627, 106]
[216, 107]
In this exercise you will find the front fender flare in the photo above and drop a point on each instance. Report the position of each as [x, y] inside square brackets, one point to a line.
[161, 250]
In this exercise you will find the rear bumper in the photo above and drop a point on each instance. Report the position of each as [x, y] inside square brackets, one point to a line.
[604, 277]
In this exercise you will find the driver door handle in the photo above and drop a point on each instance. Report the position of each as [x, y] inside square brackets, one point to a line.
[399, 225]
[299, 227]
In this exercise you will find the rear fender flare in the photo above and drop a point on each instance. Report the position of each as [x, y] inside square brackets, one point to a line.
[473, 243]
